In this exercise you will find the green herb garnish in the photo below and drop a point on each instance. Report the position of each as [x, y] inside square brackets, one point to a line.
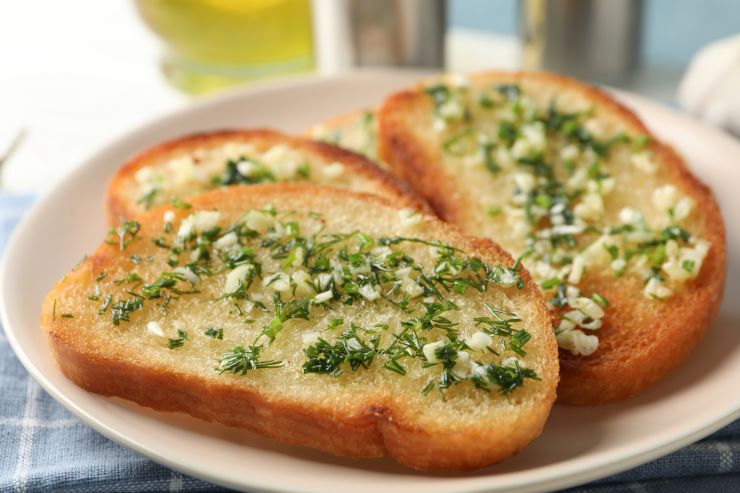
[600, 300]
[125, 233]
[121, 310]
[304, 170]
[241, 360]
[147, 200]
[214, 332]
[258, 173]
[182, 336]
[285, 311]
[178, 203]
[349, 349]
[505, 378]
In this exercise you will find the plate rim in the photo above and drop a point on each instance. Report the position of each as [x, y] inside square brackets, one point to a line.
[601, 467]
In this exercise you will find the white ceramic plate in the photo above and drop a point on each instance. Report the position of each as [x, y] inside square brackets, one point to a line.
[578, 445]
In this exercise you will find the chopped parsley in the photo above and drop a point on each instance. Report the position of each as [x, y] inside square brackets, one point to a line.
[251, 172]
[123, 234]
[214, 333]
[440, 93]
[501, 324]
[304, 170]
[487, 149]
[147, 200]
[168, 280]
[241, 360]
[131, 277]
[121, 310]
[179, 341]
[600, 300]
[640, 142]
[485, 101]
[504, 378]
[461, 144]
[510, 91]
[285, 311]
[349, 349]
[178, 203]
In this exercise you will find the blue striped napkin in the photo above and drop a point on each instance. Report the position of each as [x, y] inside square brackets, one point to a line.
[45, 448]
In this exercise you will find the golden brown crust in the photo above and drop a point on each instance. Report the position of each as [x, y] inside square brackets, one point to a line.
[244, 407]
[382, 425]
[670, 329]
[121, 204]
[639, 343]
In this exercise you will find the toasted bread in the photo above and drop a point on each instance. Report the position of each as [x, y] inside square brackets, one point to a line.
[604, 213]
[186, 166]
[356, 131]
[318, 328]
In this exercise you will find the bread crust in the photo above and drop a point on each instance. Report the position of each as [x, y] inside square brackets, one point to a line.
[638, 345]
[380, 425]
[119, 204]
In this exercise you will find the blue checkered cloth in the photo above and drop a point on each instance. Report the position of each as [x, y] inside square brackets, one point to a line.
[45, 448]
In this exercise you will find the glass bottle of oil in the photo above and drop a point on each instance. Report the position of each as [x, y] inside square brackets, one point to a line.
[213, 44]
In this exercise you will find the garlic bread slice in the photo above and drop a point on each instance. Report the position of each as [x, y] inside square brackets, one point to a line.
[173, 171]
[627, 245]
[318, 317]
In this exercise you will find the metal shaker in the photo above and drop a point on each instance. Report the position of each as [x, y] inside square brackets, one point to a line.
[353, 33]
[596, 40]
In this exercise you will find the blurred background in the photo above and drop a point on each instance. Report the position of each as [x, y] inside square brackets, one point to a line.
[77, 73]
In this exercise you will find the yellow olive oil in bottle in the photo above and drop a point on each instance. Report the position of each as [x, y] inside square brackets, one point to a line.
[213, 44]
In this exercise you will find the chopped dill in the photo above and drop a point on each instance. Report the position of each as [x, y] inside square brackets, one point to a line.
[179, 341]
